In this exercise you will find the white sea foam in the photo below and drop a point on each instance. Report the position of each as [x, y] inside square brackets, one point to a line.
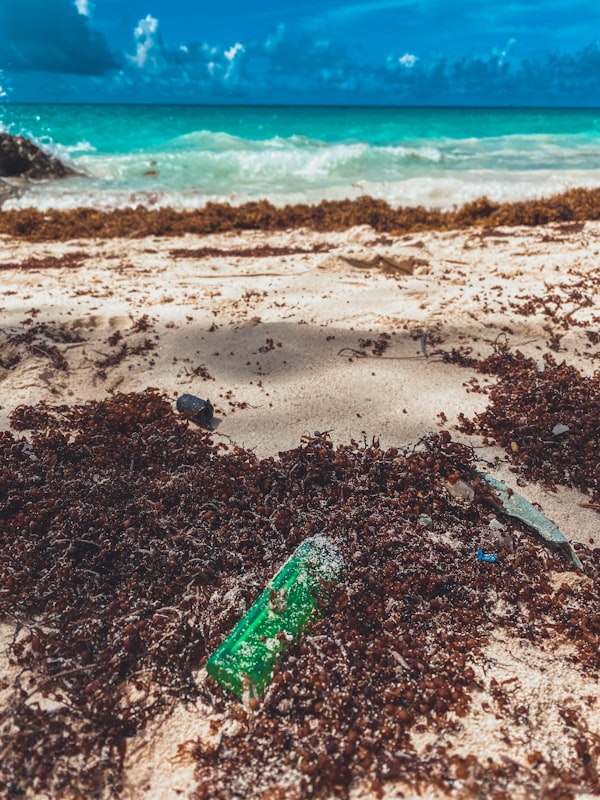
[446, 191]
[80, 147]
[218, 164]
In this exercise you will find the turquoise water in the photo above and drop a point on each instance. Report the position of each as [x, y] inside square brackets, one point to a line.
[186, 155]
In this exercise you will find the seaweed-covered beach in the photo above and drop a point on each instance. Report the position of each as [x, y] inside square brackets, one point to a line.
[572, 206]
[365, 365]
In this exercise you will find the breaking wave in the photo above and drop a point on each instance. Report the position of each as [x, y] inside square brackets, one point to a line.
[221, 163]
[437, 158]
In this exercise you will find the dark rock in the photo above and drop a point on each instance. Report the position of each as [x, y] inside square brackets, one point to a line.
[20, 158]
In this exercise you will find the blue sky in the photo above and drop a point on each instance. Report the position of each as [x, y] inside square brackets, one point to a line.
[525, 52]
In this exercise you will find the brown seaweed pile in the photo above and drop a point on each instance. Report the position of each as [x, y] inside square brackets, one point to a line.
[67, 260]
[547, 417]
[262, 251]
[131, 544]
[571, 207]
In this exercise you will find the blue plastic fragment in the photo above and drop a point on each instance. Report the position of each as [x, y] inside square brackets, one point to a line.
[481, 556]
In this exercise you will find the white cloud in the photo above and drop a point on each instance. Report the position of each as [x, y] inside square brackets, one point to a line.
[233, 55]
[502, 55]
[150, 53]
[233, 51]
[146, 27]
[184, 68]
[408, 60]
[85, 7]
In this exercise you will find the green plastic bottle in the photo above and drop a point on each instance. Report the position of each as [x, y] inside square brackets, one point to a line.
[244, 662]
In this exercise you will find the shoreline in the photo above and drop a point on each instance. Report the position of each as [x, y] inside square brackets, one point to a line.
[573, 206]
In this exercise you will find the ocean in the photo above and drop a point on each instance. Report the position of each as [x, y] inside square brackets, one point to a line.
[185, 156]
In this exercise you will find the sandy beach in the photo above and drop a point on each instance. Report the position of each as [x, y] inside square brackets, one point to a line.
[295, 333]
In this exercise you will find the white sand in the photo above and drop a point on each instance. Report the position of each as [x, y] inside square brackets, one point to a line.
[269, 330]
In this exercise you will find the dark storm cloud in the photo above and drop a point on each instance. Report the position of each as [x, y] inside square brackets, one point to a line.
[52, 36]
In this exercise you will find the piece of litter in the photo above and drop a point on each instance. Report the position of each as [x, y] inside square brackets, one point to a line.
[244, 662]
[195, 409]
[559, 429]
[426, 521]
[481, 556]
[461, 490]
[514, 505]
